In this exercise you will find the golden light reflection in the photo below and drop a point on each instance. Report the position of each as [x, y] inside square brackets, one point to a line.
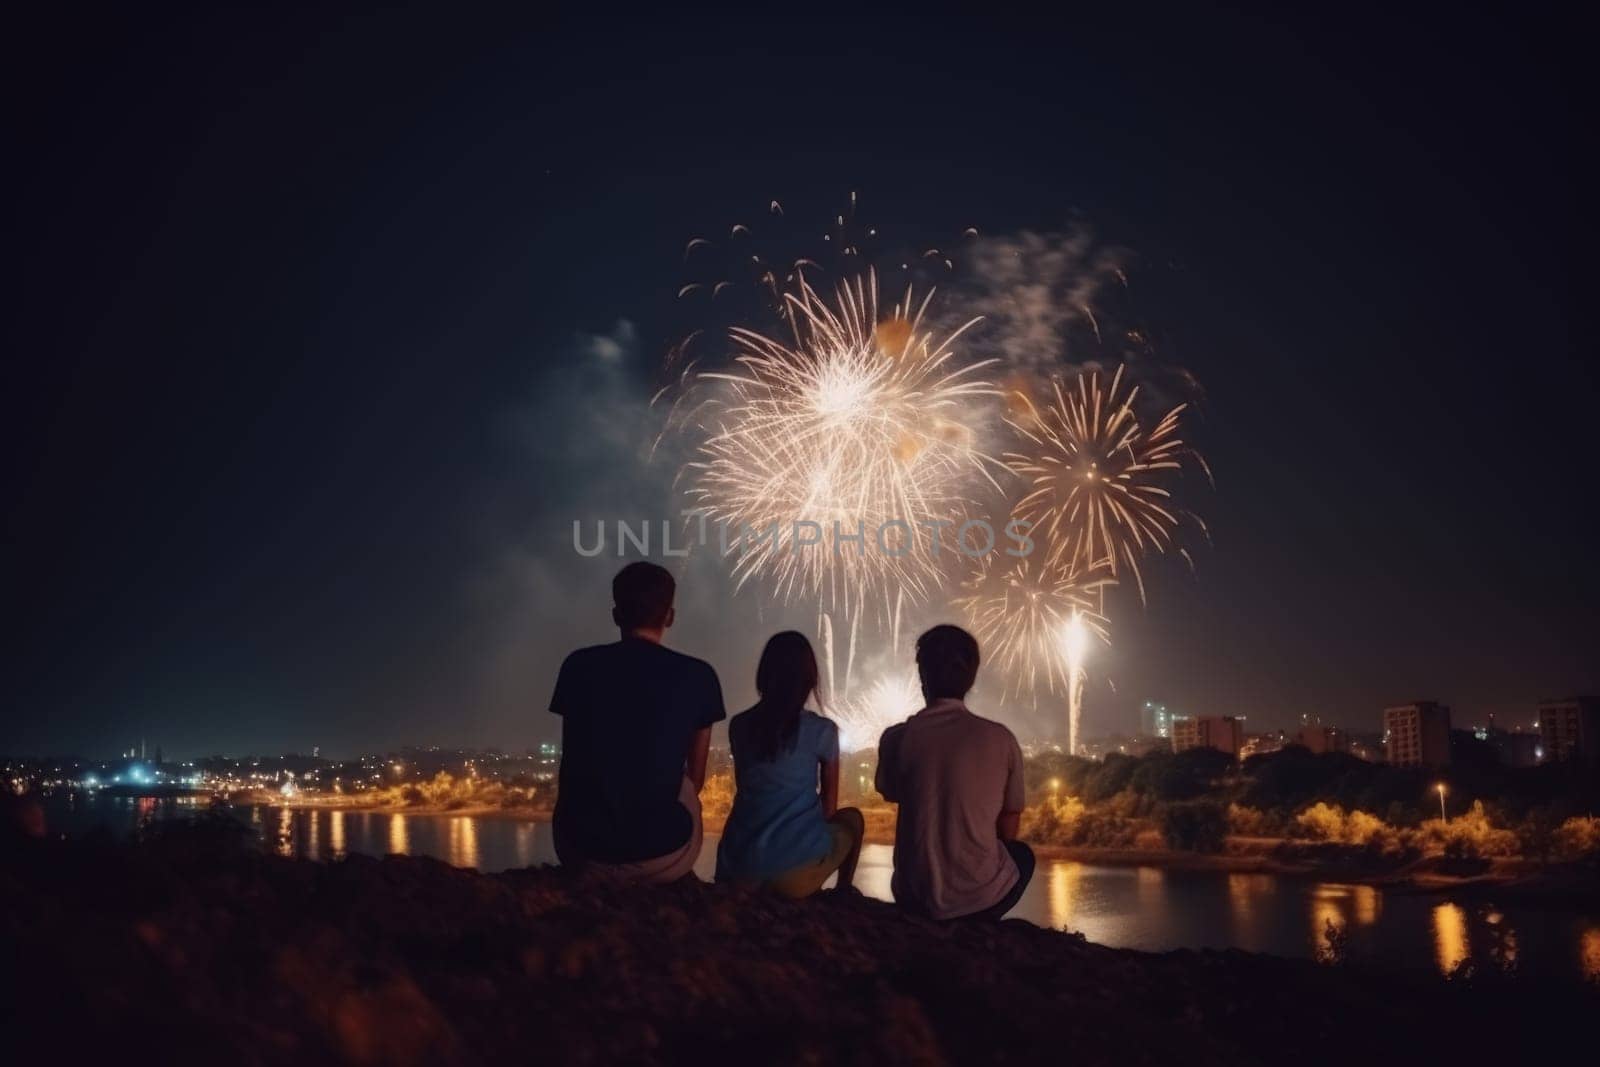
[524, 845]
[1368, 905]
[876, 871]
[1450, 936]
[1152, 883]
[336, 833]
[1589, 953]
[285, 832]
[464, 841]
[1328, 920]
[399, 839]
[1502, 941]
[1064, 879]
[312, 819]
[1243, 889]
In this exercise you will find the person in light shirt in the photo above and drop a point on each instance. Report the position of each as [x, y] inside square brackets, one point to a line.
[957, 778]
[786, 831]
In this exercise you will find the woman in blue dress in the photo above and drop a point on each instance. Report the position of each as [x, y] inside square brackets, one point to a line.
[787, 831]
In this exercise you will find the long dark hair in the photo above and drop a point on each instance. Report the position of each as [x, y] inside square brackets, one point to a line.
[786, 678]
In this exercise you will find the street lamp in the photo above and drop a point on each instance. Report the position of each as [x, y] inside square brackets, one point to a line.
[1442, 816]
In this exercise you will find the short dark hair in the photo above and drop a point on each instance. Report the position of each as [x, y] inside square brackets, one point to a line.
[641, 595]
[947, 662]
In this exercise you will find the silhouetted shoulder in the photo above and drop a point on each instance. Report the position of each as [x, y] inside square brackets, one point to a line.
[578, 658]
[697, 681]
[892, 735]
[574, 684]
[690, 667]
[998, 730]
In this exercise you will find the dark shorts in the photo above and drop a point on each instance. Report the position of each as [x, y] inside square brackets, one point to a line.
[1023, 855]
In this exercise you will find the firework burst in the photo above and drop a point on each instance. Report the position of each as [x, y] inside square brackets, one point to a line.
[853, 424]
[863, 717]
[1096, 477]
[1023, 616]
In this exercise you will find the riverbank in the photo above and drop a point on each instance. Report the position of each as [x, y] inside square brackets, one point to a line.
[206, 947]
[1509, 877]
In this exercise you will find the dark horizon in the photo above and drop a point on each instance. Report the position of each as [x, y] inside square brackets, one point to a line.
[330, 326]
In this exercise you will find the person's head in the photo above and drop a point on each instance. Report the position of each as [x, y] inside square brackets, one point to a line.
[947, 662]
[786, 678]
[641, 599]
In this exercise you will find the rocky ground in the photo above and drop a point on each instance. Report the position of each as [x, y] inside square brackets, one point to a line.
[193, 945]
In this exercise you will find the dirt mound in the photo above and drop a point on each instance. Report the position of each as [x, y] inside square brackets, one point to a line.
[192, 946]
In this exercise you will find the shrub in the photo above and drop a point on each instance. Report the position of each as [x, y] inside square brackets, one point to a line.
[1331, 823]
[1252, 822]
[1195, 826]
[1469, 836]
[1578, 838]
[1067, 821]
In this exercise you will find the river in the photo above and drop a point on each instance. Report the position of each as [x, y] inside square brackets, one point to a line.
[1146, 908]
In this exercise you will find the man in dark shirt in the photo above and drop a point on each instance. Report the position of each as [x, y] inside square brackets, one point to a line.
[635, 730]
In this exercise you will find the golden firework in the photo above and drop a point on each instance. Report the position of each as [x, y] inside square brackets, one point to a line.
[1029, 618]
[1097, 478]
[852, 427]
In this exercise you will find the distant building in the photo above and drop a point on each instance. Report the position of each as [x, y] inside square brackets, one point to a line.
[1517, 748]
[1261, 744]
[1417, 735]
[1320, 739]
[1136, 745]
[1570, 730]
[1365, 745]
[1155, 720]
[1225, 733]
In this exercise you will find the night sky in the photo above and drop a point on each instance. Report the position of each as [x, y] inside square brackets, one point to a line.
[325, 329]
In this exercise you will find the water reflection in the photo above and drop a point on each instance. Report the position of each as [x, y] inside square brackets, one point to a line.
[1368, 904]
[873, 872]
[399, 839]
[1502, 940]
[1064, 879]
[1152, 880]
[1328, 903]
[464, 842]
[1243, 892]
[1144, 908]
[524, 845]
[285, 841]
[1450, 943]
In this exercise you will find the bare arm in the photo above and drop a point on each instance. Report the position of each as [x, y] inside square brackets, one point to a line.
[830, 787]
[694, 768]
[883, 777]
[1016, 798]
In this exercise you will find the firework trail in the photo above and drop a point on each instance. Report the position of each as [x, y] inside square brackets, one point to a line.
[1075, 649]
[852, 424]
[1096, 476]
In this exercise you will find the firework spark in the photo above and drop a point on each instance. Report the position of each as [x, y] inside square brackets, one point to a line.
[863, 717]
[1021, 616]
[852, 425]
[1034, 624]
[1096, 477]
